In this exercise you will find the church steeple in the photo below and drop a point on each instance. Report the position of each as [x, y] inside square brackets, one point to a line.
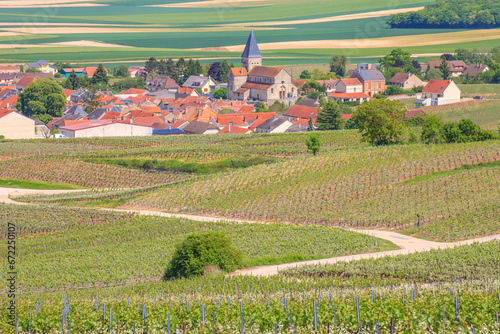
[251, 55]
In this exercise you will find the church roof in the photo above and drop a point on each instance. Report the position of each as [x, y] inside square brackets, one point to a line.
[251, 49]
[265, 71]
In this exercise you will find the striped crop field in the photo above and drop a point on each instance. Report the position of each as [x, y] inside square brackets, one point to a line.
[288, 32]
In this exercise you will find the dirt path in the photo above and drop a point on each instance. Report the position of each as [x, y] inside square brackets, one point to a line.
[5, 192]
[406, 243]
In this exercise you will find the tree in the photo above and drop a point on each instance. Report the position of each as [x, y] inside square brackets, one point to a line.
[351, 124]
[433, 73]
[220, 93]
[338, 65]
[33, 70]
[305, 75]
[61, 65]
[100, 76]
[121, 71]
[445, 70]
[432, 130]
[151, 65]
[201, 250]
[310, 124]
[330, 118]
[399, 59]
[224, 71]
[128, 83]
[214, 70]
[73, 81]
[381, 121]
[91, 99]
[278, 107]
[313, 143]
[42, 97]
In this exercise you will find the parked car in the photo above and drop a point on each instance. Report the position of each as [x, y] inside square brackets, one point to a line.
[58, 136]
[478, 97]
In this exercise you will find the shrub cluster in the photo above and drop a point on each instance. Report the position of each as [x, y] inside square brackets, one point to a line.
[203, 251]
[435, 131]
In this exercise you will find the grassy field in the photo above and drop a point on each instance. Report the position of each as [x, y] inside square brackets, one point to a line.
[99, 248]
[131, 31]
[484, 113]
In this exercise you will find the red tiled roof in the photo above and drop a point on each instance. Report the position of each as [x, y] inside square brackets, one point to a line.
[9, 68]
[186, 90]
[148, 120]
[349, 95]
[242, 90]
[177, 124]
[91, 70]
[400, 77]
[110, 115]
[436, 86]
[9, 102]
[346, 116]
[300, 121]
[247, 108]
[68, 92]
[233, 129]
[133, 91]
[253, 85]
[261, 120]
[239, 71]
[5, 112]
[265, 71]
[86, 125]
[351, 82]
[304, 112]
[25, 81]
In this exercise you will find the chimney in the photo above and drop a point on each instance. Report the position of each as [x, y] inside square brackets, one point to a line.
[229, 126]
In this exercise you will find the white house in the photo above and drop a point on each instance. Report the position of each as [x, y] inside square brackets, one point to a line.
[102, 128]
[437, 92]
[16, 126]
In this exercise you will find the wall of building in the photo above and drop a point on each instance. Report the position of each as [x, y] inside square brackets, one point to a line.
[16, 126]
[111, 130]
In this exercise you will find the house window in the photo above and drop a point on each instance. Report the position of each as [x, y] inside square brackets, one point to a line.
[272, 90]
[354, 89]
[379, 85]
[369, 86]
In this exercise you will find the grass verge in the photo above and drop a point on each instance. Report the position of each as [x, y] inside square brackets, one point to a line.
[186, 166]
[36, 185]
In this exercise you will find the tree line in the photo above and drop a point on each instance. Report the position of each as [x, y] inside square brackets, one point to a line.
[450, 14]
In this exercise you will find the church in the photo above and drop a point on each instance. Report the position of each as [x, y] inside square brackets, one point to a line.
[255, 82]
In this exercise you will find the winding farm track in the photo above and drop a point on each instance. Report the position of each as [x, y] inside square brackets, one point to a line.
[406, 243]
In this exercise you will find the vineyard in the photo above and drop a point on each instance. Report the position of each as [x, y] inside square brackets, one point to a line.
[86, 270]
[100, 248]
[383, 187]
[278, 304]
[463, 262]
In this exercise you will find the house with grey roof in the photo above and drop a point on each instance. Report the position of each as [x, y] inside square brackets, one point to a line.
[373, 80]
[76, 110]
[161, 83]
[274, 125]
[205, 84]
[473, 70]
[42, 66]
[200, 128]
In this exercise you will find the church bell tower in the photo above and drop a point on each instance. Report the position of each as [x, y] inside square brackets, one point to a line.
[251, 56]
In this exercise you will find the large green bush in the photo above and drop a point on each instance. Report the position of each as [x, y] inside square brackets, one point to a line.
[202, 250]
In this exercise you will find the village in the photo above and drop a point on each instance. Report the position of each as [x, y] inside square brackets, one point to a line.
[164, 107]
